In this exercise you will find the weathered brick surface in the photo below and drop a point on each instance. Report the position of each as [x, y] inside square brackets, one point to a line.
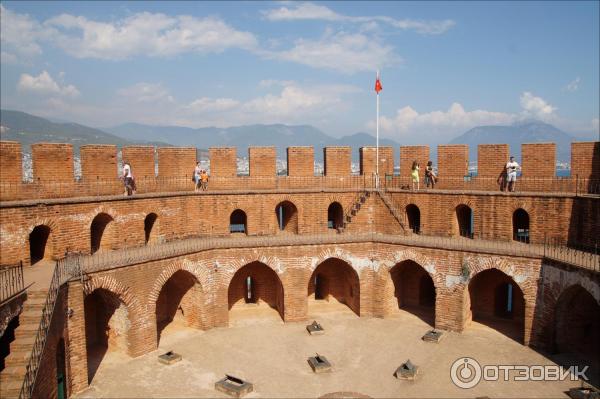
[585, 159]
[300, 161]
[262, 161]
[176, 162]
[538, 160]
[453, 164]
[98, 162]
[10, 162]
[368, 160]
[52, 162]
[141, 159]
[491, 159]
[337, 161]
[223, 161]
[411, 153]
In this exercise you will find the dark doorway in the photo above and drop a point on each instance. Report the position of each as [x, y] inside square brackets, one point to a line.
[520, 222]
[61, 370]
[149, 222]
[97, 232]
[287, 217]
[413, 214]
[414, 291]
[464, 221]
[335, 216]
[237, 222]
[337, 279]
[38, 239]
[320, 287]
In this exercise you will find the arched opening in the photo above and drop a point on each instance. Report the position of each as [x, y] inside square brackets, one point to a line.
[520, 222]
[38, 240]
[497, 301]
[464, 223]
[100, 236]
[413, 214]
[179, 304]
[414, 291]
[237, 222]
[255, 291]
[106, 327]
[334, 285]
[577, 331]
[6, 339]
[149, 230]
[61, 370]
[335, 216]
[287, 217]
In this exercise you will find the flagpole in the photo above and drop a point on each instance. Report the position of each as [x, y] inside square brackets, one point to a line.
[377, 142]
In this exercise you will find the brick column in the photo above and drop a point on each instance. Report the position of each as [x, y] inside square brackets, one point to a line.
[337, 161]
[76, 349]
[141, 159]
[491, 159]
[98, 162]
[262, 161]
[11, 169]
[453, 165]
[368, 159]
[300, 161]
[52, 162]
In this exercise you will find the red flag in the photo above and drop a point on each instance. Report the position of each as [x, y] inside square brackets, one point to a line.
[378, 86]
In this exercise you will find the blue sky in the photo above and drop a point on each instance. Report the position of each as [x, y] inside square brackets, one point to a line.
[446, 67]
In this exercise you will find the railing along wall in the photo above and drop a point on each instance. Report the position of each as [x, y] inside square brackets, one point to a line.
[11, 281]
[102, 187]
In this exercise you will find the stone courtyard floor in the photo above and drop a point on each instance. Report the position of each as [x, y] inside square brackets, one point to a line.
[273, 356]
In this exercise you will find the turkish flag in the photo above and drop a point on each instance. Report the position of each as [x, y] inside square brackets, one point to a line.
[378, 87]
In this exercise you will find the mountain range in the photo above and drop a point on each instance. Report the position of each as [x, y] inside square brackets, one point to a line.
[27, 129]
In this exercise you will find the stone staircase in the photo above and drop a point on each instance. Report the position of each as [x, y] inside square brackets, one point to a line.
[11, 378]
[399, 216]
[353, 210]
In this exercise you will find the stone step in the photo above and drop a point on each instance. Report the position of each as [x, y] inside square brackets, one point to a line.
[12, 372]
[11, 389]
[30, 316]
[26, 330]
[22, 344]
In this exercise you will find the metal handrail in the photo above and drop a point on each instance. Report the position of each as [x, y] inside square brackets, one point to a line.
[11, 281]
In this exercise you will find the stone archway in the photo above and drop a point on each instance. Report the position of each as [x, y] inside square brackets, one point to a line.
[333, 282]
[414, 291]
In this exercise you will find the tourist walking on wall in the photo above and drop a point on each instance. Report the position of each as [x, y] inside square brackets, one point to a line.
[415, 174]
[430, 177]
[196, 177]
[128, 179]
[511, 173]
[204, 180]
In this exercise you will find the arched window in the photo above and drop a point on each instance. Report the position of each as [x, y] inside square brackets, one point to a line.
[520, 222]
[97, 229]
[287, 217]
[237, 222]
[464, 221]
[149, 225]
[335, 216]
[38, 239]
[413, 214]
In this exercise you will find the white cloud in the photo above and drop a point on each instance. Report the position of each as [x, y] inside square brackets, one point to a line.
[206, 104]
[344, 52]
[145, 34]
[43, 83]
[536, 107]
[573, 85]
[19, 36]
[311, 11]
[144, 92]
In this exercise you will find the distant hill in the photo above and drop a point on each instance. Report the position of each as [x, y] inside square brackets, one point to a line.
[278, 135]
[516, 134]
[28, 129]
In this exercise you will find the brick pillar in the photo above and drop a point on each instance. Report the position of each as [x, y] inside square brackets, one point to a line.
[296, 301]
[223, 161]
[337, 161]
[262, 161]
[453, 165]
[52, 162]
[141, 159]
[368, 159]
[11, 168]
[76, 350]
[300, 161]
[491, 159]
[98, 162]
[410, 153]
[585, 160]
[176, 162]
[538, 160]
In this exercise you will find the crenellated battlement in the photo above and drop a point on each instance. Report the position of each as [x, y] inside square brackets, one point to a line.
[53, 163]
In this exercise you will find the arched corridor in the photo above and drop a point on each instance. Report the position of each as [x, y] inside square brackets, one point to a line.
[179, 303]
[413, 291]
[254, 290]
[38, 244]
[287, 217]
[238, 222]
[101, 232]
[497, 301]
[106, 327]
[334, 281]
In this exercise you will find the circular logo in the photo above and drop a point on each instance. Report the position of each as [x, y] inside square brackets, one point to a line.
[465, 372]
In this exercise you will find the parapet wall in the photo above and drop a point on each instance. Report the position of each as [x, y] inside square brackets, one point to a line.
[53, 162]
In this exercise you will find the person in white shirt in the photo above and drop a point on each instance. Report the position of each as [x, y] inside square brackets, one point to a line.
[511, 173]
[127, 178]
[197, 173]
